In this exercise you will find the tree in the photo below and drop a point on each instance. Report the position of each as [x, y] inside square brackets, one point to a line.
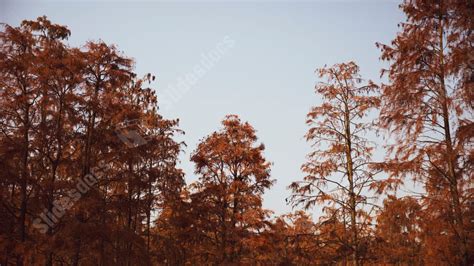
[24, 106]
[59, 73]
[428, 102]
[233, 174]
[337, 169]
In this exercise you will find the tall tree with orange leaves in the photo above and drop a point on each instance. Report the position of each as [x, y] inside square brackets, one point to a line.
[233, 174]
[337, 169]
[32, 102]
[428, 104]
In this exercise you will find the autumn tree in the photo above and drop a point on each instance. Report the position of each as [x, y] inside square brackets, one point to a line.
[26, 111]
[427, 105]
[17, 81]
[337, 169]
[130, 149]
[233, 174]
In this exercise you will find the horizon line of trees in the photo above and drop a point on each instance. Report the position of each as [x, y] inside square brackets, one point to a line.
[89, 169]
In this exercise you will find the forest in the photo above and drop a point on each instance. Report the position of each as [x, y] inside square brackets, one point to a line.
[90, 170]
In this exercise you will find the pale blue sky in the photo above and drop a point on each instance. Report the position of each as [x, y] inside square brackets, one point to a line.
[267, 77]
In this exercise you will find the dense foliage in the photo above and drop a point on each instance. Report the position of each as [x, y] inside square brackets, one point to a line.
[89, 170]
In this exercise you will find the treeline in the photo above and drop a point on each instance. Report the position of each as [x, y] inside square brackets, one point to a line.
[89, 169]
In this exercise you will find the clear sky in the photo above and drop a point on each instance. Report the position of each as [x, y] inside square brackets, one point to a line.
[266, 76]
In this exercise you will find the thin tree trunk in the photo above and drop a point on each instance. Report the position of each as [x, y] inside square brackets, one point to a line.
[55, 166]
[77, 253]
[350, 176]
[452, 176]
[24, 182]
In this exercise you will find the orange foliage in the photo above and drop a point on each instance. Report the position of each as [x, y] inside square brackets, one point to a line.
[89, 168]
